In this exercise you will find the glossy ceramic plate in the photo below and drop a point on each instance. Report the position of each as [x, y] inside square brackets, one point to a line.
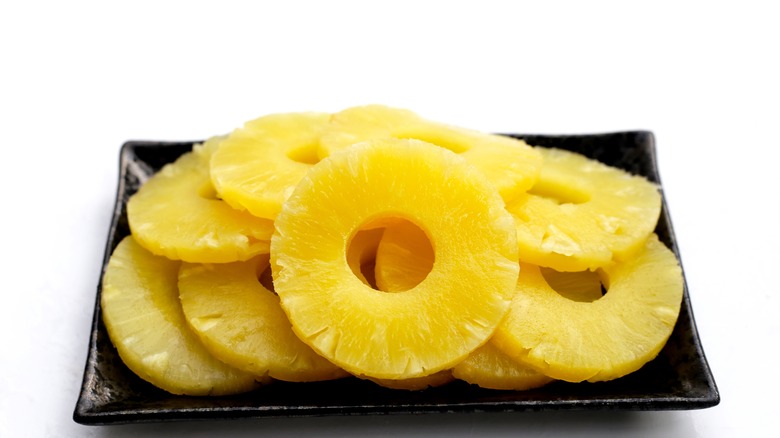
[679, 378]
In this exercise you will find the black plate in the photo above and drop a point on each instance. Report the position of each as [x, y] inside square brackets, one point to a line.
[679, 378]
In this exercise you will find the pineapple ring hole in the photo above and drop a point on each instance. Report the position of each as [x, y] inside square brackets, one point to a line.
[559, 193]
[305, 153]
[367, 269]
[265, 276]
[582, 286]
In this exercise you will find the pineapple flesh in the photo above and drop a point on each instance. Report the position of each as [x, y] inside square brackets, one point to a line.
[257, 166]
[428, 328]
[488, 367]
[510, 164]
[241, 322]
[144, 320]
[581, 214]
[599, 340]
[177, 214]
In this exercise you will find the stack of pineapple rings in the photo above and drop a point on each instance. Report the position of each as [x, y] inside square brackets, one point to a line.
[378, 244]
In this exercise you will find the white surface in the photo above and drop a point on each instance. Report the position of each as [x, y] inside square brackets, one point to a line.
[78, 79]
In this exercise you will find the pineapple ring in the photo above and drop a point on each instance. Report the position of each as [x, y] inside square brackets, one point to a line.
[177, 215]
[241, 323]
[600, 340]
[395, 335]
[582, 213]
[488, 367]
[257, 167]
[143, 317]
[510, 164]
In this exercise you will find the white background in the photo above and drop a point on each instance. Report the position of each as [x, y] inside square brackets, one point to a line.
[78, 79]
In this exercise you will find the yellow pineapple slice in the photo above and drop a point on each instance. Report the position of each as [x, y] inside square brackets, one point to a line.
[510, 164]
[240, 322]
[176, 214]
[417, 383]
[144, 320]
[599, 340]
[582, 213]
[395, 335]
[488, 367]
[257, 166]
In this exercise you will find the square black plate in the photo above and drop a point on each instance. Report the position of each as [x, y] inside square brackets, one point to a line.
[679, 378]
